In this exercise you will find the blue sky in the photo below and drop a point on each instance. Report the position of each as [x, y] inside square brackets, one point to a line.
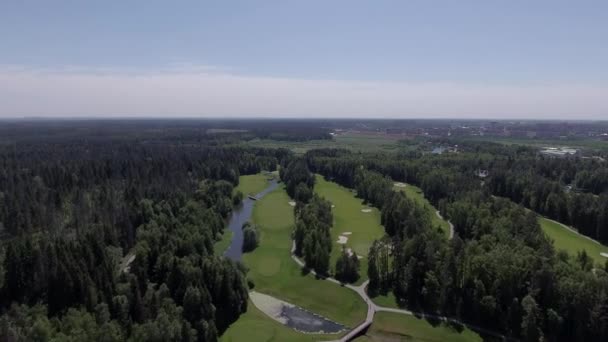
[536, 59]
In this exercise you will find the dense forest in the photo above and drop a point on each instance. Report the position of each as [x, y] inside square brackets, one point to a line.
[108, 229]
[113, 239]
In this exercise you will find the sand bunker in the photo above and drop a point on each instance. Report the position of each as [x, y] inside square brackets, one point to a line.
[342, 239]
[367, 210]
[349, 251]
[333, 206]
[292, 203]
[346, 233]
[400, 185]
[605, 255]
[293, 316]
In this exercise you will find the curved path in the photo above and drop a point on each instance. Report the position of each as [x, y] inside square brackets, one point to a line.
[449, 223]
[372, 307]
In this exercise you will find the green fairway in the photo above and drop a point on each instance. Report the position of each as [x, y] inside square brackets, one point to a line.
[389, 326]
[252, 184]
[416, 194]
[276, 274]
[388, 300]
[348, 217]
[255, 326]
[572, 242]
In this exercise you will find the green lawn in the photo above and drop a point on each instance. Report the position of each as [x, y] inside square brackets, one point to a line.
[221, 245]
[255, 326]
[365, 227]
[388, 300]
[252, 184]
[416, 194]
[572, 242]
[397, 327]
[276, 274]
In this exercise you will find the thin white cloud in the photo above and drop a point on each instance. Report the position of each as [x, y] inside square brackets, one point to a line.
[201, 91]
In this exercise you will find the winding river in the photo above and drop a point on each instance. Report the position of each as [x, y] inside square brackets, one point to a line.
[239, 216]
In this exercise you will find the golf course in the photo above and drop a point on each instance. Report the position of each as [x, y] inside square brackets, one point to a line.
[389, 326]
[274, 273]
[416, 194]
[572, 242]
[355, 224]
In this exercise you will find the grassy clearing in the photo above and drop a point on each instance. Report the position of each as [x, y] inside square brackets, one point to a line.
[221, 245]
[276, 274]
[254, 325]
[397, 327]
[388, 300]
[365, 227]
[571, 242]
[252, 184]
[416, 194]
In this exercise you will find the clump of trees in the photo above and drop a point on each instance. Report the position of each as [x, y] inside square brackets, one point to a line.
[251, 238]
[298, 179]
[312, 234]
[347, 267]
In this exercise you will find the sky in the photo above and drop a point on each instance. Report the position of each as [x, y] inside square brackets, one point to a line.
[399, 59]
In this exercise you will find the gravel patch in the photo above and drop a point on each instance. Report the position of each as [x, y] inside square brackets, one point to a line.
[294, 316]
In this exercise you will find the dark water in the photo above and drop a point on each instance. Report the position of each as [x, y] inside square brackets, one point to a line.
[302, 320]
[239, 216]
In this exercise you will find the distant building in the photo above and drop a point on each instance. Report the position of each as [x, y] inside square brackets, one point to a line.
[482, 173]
[559, 152]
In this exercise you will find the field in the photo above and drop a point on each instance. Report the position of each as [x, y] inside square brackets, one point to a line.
[416, 194]
[365, 227]
[397, 327]
[352, 141]
[276, 274]
[252, 184]
[572, 242]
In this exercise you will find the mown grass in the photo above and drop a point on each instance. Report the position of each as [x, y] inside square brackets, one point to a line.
[564, 239]
[275, 273]
[221, 245]
[389, 326]
[348, 217]
[252, 184]
[416, 194]
[256, 326]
